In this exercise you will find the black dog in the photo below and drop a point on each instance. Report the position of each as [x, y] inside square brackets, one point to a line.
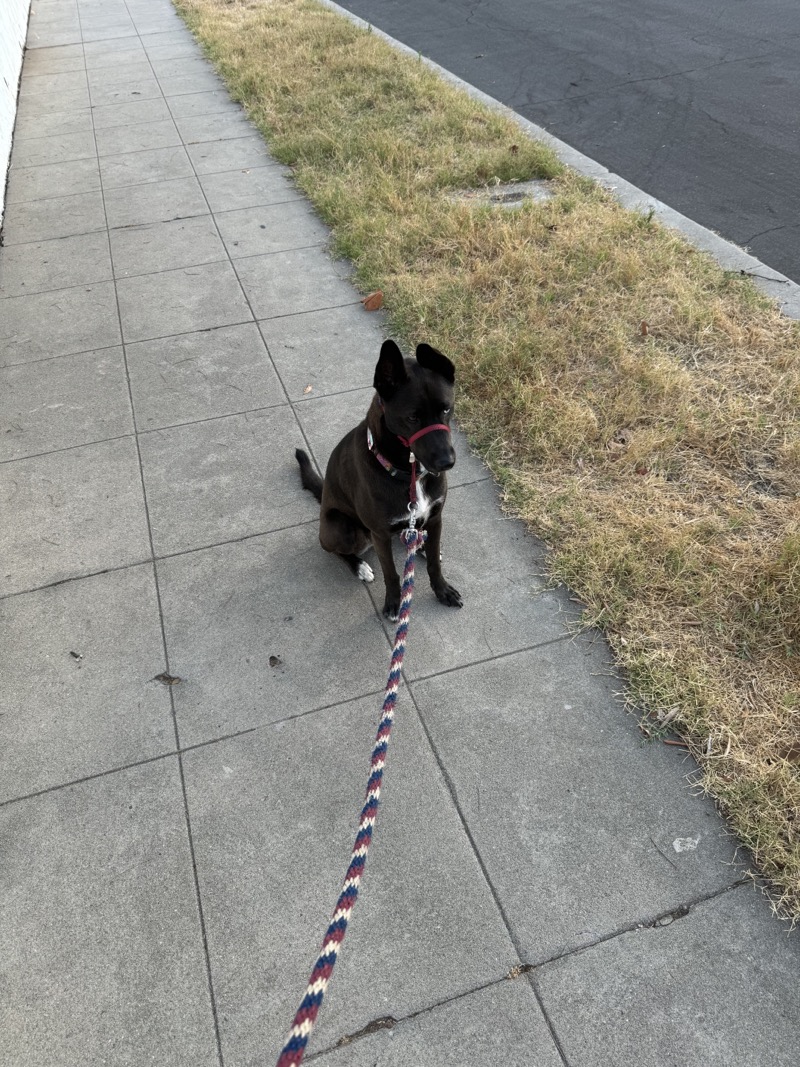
[366, 492]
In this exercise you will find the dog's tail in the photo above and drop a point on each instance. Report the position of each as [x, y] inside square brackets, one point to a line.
[309, 477]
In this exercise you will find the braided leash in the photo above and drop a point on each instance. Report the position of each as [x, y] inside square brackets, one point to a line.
[294, 1049]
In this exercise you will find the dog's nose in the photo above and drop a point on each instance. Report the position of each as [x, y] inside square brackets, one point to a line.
[443, 463]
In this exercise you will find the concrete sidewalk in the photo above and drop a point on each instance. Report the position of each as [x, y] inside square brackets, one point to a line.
[544, 888]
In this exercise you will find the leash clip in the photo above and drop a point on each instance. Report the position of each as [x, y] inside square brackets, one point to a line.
[412, 516]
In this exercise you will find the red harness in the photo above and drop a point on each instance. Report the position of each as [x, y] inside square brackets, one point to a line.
[412, 496]
[408, 442]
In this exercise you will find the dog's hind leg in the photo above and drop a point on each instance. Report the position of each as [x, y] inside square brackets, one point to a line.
[340, 534]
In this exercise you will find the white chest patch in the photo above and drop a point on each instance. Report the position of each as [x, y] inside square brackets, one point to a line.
[424, 504]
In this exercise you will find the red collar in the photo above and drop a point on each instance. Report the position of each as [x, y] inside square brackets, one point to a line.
[395, 472]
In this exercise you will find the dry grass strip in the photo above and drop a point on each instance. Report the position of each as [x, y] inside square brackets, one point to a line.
[638, 403]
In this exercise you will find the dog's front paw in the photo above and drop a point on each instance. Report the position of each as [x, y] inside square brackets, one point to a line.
[448, 594]
[391, 609]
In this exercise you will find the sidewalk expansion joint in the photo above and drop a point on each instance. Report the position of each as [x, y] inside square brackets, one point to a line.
[664, 919]
[88, 778]
[67, 448]
[64, 355]
[77, 578]
[389, 1022]
[568, 636]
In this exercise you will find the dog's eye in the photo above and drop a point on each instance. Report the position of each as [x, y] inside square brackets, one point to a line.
[445, 412]
[414, 417]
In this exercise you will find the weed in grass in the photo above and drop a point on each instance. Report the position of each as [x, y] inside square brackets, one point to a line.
[661, 464]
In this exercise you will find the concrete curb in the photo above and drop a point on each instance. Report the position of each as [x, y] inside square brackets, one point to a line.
[728, 255]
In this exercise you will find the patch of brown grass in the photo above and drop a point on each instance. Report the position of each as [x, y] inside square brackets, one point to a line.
[659, 463]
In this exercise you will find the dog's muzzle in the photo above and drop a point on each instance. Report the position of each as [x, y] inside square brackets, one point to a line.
[445, 463]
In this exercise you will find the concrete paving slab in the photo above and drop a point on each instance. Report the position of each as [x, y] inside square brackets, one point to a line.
[34, 151]
[55, 60]
[161, 201]
[113, 53]
[212, 157]
[226, 126]
[210, 482]
[62, 33]
[228, 609]
[137, 138]
[584, 828]
[256, 801]
[124, 71]
[156, 24]
[178, 67]
[47, 103]
[52, 180]
[294, 281]
[499, 1024]
[249, 187]
[152, 21]
[103, 956]
[63, 402]
[84, 653]
[180, 301]
[170, 45]
[161, 246]
[58, 323]
[200, 82]
[66, 33]
[61, 264]
[76, 512]
[695, 993]
[333, 351]
[271, 228]
[201, 376]
[145, 167]
[120, 90]
[56, 82]
[109, 116]
[57, 124]
[62, 216]
[212, 102]
[104, 31]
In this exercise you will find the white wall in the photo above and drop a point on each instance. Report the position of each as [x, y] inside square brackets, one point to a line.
[13, 28]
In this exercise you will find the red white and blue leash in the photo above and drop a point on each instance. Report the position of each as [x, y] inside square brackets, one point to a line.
[303, 1024]
[297, 1039]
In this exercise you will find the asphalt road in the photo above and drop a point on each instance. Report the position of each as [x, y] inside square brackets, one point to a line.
[697, 104]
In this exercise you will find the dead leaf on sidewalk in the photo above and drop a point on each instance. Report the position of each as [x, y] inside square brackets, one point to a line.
[374, 301]
[308, 389]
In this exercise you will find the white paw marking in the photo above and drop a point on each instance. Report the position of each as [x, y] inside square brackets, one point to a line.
[365, 572]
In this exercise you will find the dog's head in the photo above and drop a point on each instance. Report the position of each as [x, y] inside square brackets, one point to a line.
[417, 394]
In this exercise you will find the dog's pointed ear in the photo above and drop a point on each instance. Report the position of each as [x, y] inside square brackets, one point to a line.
[432, 359]
[390, 373]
